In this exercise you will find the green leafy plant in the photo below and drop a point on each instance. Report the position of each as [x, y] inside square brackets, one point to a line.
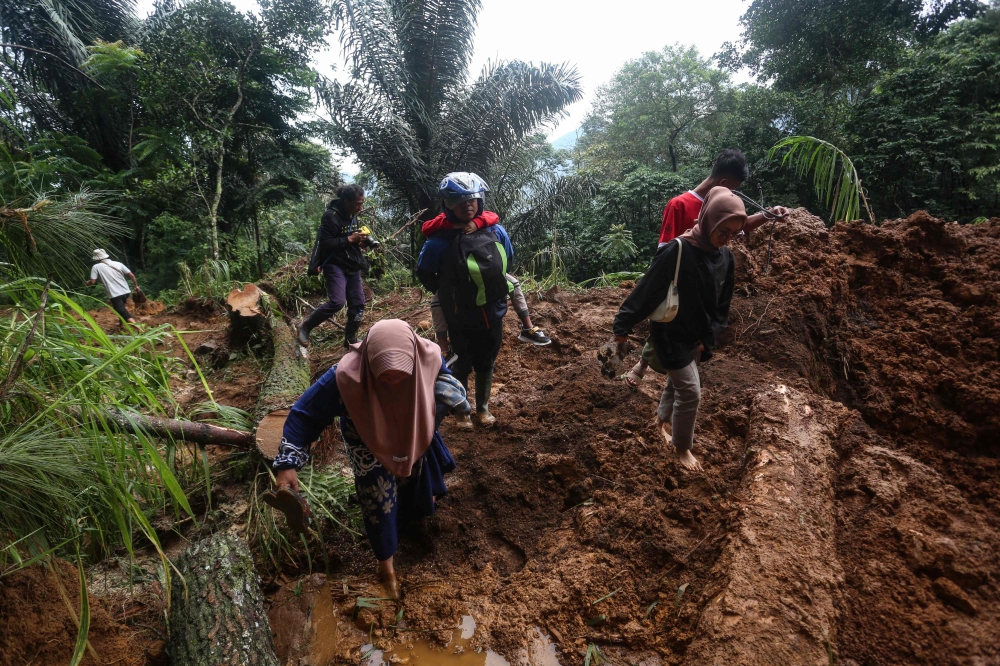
[834, 177]
[617, 245]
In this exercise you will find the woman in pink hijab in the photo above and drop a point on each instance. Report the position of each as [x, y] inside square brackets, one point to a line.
[390, 391]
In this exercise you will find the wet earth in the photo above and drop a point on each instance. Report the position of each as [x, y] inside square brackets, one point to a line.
[868, 489]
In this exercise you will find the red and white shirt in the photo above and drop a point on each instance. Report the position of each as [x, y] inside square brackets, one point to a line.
[679, 215]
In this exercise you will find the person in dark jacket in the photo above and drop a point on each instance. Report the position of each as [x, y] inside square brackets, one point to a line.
[705, 286]
[476, 330]
[342, 260]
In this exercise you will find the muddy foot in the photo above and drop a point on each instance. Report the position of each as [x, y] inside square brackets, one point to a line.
[391, 585]
[688, 461]
[664, 428]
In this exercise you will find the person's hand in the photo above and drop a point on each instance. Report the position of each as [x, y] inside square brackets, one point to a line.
[779, 211]
[355, 238]
[701, 347]
[470, 228]
[287, 477]
[623, 345]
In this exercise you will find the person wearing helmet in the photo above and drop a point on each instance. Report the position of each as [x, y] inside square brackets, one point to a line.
[468, 272]
[112, 275]
[529, 332]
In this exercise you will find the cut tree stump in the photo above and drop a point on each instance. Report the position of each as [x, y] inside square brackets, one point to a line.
[221, 619]
[248, 320]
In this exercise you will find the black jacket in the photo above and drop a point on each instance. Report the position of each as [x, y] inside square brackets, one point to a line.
[334, 248]
[705, 287]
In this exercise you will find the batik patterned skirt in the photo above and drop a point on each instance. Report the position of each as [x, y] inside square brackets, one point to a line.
[390, 503]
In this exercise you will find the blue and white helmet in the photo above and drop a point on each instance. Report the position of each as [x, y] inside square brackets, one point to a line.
[462, 186]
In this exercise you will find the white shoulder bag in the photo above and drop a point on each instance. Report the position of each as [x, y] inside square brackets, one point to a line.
[667, 310]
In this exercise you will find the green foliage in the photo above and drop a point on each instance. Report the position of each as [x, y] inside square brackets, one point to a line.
[617, 245]
[834, 177]
[407, 112]
[929, 136]
[68, 476]
[659, 110]
[801, 44]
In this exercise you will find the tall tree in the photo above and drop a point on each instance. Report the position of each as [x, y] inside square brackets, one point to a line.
[658, 110]
[929, 135]
[801, 44]
[216, 76]
[43, 48]
[408, 113]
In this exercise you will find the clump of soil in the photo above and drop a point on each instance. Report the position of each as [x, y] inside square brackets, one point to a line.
[36, 626]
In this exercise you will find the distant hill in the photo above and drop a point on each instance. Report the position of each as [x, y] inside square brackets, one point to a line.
[566, 141]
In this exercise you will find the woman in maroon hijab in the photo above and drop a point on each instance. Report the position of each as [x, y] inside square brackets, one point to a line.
[390, 392]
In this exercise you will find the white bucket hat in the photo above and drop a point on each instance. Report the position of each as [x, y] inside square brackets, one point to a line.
[100, 255]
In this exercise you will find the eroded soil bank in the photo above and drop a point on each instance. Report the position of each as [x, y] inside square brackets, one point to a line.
[852, 517]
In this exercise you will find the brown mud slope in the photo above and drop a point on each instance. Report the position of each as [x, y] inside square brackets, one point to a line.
[866, 537]
[36, 626]
[849, 508]
[900, 322]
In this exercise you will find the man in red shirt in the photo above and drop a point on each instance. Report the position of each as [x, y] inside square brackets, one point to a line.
[729, 170]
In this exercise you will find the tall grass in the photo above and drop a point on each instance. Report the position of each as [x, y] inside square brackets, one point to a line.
[70, 481]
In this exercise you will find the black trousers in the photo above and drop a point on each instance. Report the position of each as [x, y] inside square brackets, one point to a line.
[476, 349]
[118, 303]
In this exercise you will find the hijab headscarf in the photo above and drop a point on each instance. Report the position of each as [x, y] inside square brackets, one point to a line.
[720, 205]
[396, 422]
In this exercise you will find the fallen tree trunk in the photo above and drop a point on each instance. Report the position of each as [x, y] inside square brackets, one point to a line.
[158, 426]
[780, 569]
[287, 379]
[220, 617]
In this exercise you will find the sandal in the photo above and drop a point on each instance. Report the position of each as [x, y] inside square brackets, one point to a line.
[290, 503]
[635, 375]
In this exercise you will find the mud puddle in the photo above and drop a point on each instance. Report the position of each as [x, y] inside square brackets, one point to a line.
[541, 651]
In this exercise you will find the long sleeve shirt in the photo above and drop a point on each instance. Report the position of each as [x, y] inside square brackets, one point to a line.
[334, 230]
[316, 409]
[705, 289]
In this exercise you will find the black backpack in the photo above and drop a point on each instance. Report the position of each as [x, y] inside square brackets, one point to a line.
[314, 260]
[480, 269]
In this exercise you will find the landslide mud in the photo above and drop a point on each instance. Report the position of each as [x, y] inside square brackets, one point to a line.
[874, 529]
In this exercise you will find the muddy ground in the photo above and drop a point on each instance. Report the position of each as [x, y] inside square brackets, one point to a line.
[875, 539]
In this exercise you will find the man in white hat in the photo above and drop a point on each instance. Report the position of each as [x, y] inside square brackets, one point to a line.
[112, 275]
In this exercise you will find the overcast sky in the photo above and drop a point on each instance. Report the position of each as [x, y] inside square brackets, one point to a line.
[598, 37]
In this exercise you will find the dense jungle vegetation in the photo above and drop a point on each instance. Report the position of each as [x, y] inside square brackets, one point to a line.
[200, 145]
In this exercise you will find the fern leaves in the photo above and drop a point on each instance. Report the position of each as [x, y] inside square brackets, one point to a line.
[834, 177]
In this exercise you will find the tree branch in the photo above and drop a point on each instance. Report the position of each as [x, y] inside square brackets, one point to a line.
[53, 55]
[194, 432]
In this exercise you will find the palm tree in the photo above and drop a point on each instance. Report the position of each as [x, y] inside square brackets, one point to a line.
[43, 48]
[408, 112]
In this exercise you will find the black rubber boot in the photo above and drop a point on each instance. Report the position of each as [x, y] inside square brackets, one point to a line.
[307, 325]
[351, 329]
[484, 384]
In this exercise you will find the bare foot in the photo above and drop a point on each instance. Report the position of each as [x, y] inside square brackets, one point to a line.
[688, 461]
[664, 428]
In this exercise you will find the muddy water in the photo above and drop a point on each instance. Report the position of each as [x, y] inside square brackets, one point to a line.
[421, 652]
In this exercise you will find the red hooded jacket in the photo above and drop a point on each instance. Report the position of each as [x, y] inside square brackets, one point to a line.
[441, 222]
